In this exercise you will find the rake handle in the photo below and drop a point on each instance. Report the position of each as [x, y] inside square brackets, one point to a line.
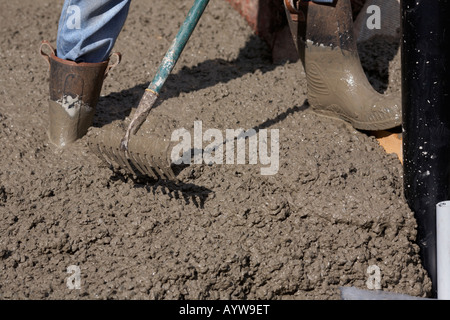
[173, 53]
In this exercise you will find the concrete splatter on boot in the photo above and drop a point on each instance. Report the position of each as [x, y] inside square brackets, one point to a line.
[337, 84]
[74, 92]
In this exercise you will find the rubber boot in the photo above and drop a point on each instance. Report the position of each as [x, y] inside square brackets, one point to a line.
[74, 92]
[337, 84]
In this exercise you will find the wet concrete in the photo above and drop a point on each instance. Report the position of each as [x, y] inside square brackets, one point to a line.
[334, 208]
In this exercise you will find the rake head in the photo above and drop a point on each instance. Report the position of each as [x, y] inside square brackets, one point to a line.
[147, 156]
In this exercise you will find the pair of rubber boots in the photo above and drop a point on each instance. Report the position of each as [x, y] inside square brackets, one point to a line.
[336, 83]
[74, 93]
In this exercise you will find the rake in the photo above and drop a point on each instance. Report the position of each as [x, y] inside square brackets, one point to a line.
[126, 150]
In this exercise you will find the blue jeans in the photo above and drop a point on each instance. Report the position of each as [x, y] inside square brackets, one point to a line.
[88, 29]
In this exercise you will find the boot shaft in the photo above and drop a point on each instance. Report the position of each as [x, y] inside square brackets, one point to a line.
[330, 25]
[74, 91]
[82, 81]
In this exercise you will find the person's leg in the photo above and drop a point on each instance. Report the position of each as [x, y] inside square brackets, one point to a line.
[87, 32]
[88, 29]
[337, 84]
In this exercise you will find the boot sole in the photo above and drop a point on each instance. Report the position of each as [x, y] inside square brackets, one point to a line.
[367, 126]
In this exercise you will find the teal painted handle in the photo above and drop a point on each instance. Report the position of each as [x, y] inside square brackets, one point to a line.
[177, 46]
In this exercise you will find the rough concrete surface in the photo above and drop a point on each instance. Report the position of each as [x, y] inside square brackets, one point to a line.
[334, 208]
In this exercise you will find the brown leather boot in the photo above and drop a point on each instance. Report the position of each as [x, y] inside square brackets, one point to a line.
[337, 84]
[74, 92]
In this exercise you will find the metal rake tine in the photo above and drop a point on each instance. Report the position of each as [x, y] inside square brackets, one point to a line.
[146, 166]
[136, 163]
[106, 150]
[165, 165]
[122, 156]
[169, 173]
[115, 158]
[100, 153]
[138, 144]
[161, 167]
[106, 154]
[119, 156]
[166, 170]
[155, 167]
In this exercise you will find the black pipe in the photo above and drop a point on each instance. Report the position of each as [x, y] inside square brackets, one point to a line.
[426, 117]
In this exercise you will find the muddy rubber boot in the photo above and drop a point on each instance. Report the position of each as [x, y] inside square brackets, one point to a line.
[74, 92]
[337, 84]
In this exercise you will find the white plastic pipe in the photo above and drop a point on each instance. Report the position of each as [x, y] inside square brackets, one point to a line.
[443, 249]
